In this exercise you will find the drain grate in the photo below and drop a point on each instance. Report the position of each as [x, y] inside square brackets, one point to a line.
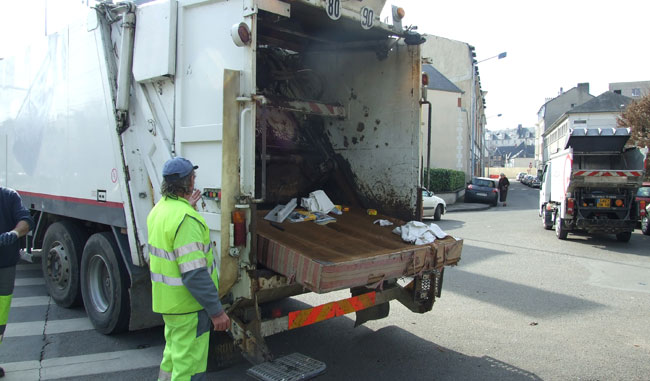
[293, 367]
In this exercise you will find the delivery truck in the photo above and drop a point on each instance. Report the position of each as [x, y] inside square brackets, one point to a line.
[591, 184]
[272, 100]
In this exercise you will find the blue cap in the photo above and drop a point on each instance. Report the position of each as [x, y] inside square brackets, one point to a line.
[179, 166]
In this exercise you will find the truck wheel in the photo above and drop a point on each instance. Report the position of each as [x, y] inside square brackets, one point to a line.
[62, 247]
[437, 213]
[547, 219]
[624, 236]
[104, 284]
[645, 225]
[560, 230]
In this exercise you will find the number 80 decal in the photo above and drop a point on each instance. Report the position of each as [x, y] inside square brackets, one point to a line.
[367, 17]
[333, 9]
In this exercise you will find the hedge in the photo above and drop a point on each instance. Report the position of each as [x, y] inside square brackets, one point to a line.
[444, 180]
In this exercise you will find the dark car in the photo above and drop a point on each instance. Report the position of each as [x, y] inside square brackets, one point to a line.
[643, 199]
[482, 189]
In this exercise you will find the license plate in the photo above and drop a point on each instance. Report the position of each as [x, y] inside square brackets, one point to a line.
[482, 194]
[604, 202]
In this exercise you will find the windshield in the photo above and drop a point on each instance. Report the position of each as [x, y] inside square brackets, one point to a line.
[643, 192]
[483, 183]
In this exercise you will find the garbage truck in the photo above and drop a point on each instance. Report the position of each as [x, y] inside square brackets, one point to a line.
[590, 185]
[272, 100]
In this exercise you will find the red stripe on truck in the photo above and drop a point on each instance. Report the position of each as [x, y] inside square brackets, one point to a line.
[107, 204]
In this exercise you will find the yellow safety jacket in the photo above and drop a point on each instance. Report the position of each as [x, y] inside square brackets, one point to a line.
[179, 241]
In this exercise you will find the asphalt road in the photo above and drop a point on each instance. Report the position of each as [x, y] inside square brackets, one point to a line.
[520, 305]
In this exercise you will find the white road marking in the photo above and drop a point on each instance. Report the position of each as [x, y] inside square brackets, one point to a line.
[84, 365]
[29, 301]
[35, 328]
[29, 282]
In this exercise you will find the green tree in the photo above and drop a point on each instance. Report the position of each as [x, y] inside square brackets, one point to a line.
[637, 117]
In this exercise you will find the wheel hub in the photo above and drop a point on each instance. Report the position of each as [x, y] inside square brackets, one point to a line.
[58, 266]
[99, 283]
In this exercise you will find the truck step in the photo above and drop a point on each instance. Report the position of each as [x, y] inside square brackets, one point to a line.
[293, 367]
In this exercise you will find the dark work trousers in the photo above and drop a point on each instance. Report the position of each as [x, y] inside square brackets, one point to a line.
[7, 277]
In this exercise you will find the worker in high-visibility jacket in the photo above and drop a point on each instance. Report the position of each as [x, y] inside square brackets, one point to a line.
[184, 275]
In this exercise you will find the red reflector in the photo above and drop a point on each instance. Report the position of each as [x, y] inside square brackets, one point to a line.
[425, 79]
[570, 205]
[239, 220]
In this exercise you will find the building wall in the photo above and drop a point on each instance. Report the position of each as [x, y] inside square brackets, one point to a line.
[634, 90]
[448, 139]
[565, 102]
[454, 60]
[555, 139]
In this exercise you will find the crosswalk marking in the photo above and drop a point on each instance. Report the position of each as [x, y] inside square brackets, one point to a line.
[29, 301]
[34, 328]
[29, 282]
[84, 365]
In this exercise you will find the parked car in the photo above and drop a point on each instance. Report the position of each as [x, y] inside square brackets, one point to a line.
[535, 183]
[645, 221]
[643, 199]
[482, 189]
[432, 205]
[527, 179]
[520, 176]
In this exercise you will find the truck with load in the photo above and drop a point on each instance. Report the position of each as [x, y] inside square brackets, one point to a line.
[591, 184]
[272, 100]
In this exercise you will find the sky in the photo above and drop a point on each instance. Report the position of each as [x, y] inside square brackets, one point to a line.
[550, 44]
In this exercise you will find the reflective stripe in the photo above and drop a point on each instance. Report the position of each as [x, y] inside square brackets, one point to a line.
[190, 248]
[213, 265]
[164, 376]
[192, 265]
[168, 280]
[160, 253]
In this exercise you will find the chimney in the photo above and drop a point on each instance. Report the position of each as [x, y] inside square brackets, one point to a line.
[583, 87]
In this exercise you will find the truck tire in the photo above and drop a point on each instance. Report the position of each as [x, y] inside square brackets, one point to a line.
[547, 219]
[624, 236]
[437, 213]
[560, 230]
[104, 284]
[645, 225]
[62, 247]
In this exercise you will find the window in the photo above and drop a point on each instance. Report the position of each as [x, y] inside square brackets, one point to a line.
[636, 92]
[617, 91]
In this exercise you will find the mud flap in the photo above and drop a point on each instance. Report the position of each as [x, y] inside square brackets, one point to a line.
[376, 312]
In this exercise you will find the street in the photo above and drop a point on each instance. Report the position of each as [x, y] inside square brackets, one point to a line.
[521, 305]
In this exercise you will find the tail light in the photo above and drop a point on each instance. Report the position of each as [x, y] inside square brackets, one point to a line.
[239, 222]
[494, 190]
[425, 79]
[618, 203]
[570, 205]
[642, 208]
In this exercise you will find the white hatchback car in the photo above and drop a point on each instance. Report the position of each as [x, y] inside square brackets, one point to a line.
[432, 205]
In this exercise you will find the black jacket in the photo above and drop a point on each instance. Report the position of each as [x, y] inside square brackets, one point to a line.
[11, 212]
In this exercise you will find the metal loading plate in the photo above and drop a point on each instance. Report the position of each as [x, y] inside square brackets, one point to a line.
[293, 367]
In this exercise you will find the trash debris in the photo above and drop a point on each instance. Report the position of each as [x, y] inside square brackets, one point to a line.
[323, 219]
[280, 212]
[533, 323]
[301, 216]
[383, 222]
[419, 233]
[336, 210]
[372, 212]
[317, 202]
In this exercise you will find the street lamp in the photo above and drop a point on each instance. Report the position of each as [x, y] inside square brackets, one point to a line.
[472, 140]
[498, 56]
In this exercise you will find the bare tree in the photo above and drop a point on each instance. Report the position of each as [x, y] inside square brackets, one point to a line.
[637, 117]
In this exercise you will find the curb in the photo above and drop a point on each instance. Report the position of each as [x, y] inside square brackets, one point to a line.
[466, 207]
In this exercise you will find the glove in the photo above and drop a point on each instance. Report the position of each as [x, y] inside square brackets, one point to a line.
[8, 238]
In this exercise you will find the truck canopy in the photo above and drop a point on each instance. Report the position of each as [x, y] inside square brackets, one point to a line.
[592, 139]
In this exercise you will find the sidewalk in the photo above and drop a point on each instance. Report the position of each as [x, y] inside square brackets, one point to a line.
[466, 207]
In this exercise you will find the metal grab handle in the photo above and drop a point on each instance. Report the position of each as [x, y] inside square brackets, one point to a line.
[242, 143]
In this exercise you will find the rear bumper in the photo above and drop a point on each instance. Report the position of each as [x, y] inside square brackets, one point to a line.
[605, 226]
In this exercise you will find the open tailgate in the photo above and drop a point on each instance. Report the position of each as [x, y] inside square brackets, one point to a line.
[347, 253]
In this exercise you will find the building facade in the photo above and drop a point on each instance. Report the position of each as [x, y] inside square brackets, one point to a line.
[456, 61]
[599, 112]
[634, 90]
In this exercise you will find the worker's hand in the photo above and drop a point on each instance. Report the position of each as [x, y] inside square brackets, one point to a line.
[194, 198]
[8, 238]
[221, 322]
